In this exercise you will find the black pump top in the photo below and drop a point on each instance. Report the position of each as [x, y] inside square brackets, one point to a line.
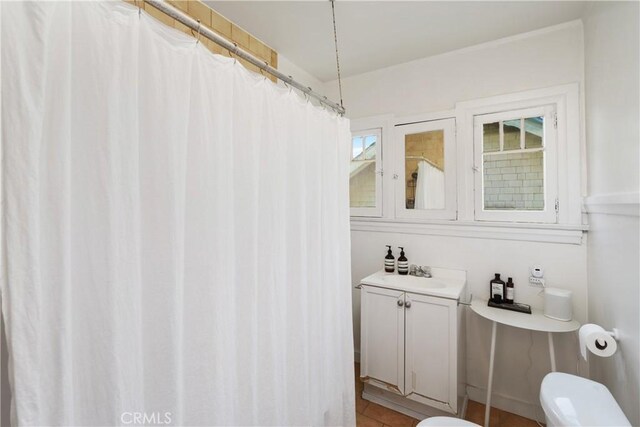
[389, 253]
[402, 257]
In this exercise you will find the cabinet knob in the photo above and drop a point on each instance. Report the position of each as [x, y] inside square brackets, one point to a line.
[400, 303]
[407, 304]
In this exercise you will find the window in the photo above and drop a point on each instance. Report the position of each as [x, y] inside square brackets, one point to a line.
[426, 187]
[515, 164]
[365, 183]
[504, 167]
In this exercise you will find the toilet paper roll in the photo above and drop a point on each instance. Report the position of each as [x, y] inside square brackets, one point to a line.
[596, 340]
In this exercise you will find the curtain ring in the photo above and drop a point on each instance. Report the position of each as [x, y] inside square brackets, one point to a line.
[263, 74]
[139, 9]
[287, 85]
[198, 36]
[235, 49]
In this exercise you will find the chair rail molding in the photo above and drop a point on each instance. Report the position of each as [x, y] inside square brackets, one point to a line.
[626, 204]
[529, 232]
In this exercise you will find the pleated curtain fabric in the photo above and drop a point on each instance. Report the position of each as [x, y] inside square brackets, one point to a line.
[430, 187]
[175, 230]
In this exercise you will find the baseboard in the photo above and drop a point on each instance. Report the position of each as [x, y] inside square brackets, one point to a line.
[506, 403]
[407, 406]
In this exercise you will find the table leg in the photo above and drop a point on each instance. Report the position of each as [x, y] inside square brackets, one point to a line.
[487, 410]
[552, 352]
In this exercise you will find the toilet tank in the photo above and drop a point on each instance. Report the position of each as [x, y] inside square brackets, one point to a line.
[569, 400]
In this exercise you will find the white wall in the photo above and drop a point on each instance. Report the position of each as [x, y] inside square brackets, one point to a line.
[519, 371]
[300, 75]
[612, 78]
[536, 60]
[611, 72]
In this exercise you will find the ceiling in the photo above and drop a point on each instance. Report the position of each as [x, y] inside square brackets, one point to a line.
[378, 34]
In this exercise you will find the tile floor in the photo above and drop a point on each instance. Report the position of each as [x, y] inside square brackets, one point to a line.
[369, 414]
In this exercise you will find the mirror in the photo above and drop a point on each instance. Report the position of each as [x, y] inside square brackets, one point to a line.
[424, 170]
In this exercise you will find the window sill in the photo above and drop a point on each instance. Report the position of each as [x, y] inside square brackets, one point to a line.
[529, 232]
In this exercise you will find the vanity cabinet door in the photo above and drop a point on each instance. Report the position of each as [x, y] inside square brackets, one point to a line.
[430, 351]
[382, 338]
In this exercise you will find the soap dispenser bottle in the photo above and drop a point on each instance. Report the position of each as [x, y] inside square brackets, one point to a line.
[497, 289]
[509, 291]
[389, 261]
[403, 262]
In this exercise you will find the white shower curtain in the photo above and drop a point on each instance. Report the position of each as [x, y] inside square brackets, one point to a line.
[175, 231]
[429, 187]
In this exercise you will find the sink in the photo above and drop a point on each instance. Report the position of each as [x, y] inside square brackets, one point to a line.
[445, 283]
[413, 281]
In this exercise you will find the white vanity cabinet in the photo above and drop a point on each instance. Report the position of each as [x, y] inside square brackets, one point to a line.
[430, 350]
[382, 321]
[410, 356]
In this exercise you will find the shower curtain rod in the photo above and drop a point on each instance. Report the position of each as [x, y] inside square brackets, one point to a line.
[178, 15]
[426, 160]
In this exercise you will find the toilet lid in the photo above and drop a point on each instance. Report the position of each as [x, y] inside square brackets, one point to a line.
[445, 422]
[569, 400]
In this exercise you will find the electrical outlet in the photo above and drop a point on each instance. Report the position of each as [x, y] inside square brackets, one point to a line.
[536, 281]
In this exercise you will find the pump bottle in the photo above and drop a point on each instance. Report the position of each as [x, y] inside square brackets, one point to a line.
[403, 262]
[389, 261]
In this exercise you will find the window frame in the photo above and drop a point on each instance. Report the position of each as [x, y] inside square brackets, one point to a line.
[571, 157]
[375, 211]
[550, 166]
[449, 212]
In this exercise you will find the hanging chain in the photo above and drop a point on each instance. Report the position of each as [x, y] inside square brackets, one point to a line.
[335, 39]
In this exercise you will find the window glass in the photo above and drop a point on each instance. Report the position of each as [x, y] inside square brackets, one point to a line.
[356, 144]
[514, 180]
[370, 147]
[511, 130]
[491, 138]
[362, 179]
[534, 131]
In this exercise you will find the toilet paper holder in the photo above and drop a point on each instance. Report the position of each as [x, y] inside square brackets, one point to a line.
[614, 334]
[595, 339]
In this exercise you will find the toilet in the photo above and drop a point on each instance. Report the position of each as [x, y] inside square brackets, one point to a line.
[446, 422]
[569, 400]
